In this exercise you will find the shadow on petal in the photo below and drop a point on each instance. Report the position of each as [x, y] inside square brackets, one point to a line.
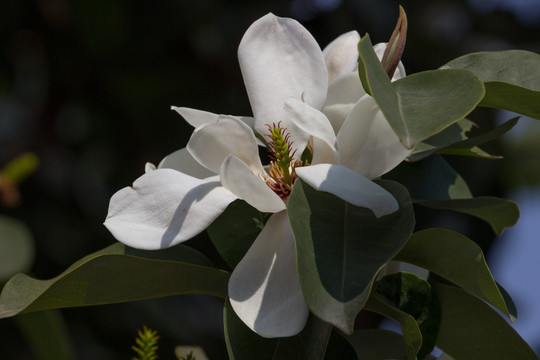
[202, 194]
[264, 289]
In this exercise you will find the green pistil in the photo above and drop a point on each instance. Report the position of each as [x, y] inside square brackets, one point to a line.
[280, 149]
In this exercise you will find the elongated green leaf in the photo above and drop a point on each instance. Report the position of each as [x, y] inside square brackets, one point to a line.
[47, 334]
[456, 258]
[377, 344]
[419, 106]
[470, 329]
[116, 274]
[414, 296]
[316, 341]
[475, 151]
[16, 248]
[233, 232]
[512, 79]
[451, 135]
[430, 179]
[340, 249]
[498, 213]
[453, 141]
[485, 137]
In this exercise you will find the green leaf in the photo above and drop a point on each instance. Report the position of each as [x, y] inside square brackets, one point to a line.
[471, 329]
[475, 151]
[419, 105]
[498, 213]
[115, 274]
[341, 248]
[414, 296]
[430, 179]
[456, 258]
[511, 77]
[412, 335]
[377, 344]
[451, 135]
[453, 141]
[47, 334]
[485, 137]
[233, 232]
[512, 309]
[16, 248]
[339, 348]
[316, 341]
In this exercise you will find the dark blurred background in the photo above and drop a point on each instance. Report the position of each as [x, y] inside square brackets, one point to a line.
[87, 86]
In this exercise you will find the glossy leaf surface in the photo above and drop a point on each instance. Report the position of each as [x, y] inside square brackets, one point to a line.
[430, 179]
[341, 248]
[512, 79]
[470, 329]
[455, 258]
[498, 213]
[419, 106]
[116, 274]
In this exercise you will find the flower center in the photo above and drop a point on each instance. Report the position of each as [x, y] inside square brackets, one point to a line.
[282, 166]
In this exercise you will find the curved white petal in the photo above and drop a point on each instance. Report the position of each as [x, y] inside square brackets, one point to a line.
[349, 186]
[195, 117]
[323, 153]
[343, 93]
[165, 207]
[181, 160]
[280, 59]
[264, 289]
[311, 122]
[400, 70]
[337, 114]
[345, 89]
[341, 55]
[149, 167]
[241, 181]
[366, 142]
[210, 144]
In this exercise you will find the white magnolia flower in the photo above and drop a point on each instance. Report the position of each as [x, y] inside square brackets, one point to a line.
[286, 78]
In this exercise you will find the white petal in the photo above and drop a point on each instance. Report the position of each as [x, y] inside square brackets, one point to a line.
[341, 55]
[280, 59]
[349, 186]
[366, 142]
[181, 160]
[210, 144]
[343, 93]
[149, 167]
[337, 114]
[345, 89]
[310, 121]
[400, 70]
[165, 207]
[264, 289]
[241, 181]
[323, 153]
[196, 117]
